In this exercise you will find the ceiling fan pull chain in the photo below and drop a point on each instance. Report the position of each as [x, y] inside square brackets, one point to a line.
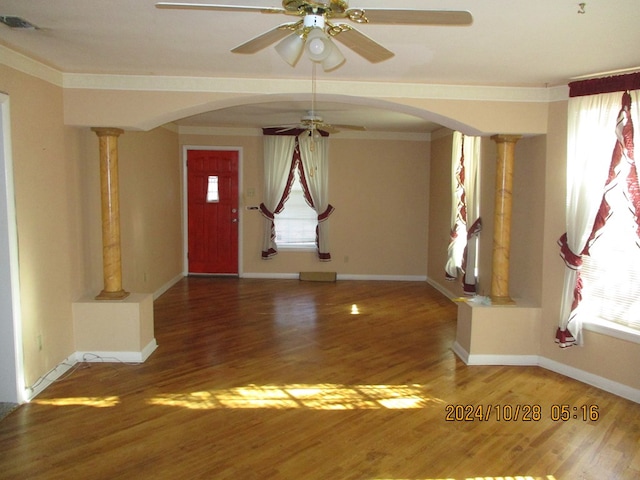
[313, 88]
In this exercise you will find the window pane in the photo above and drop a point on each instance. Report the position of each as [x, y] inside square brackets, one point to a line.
[296, 224]
[611, 273]
[212, 189]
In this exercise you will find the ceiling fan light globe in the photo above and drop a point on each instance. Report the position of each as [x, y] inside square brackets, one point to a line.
[318, 45]
[334, 59]
[290, 48]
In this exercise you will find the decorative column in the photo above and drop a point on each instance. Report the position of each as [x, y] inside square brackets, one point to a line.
[502, 219]
[111, 256]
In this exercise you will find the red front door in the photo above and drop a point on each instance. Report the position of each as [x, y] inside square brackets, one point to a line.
[212, 211]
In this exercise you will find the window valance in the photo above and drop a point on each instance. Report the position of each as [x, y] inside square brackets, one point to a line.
[595, 86]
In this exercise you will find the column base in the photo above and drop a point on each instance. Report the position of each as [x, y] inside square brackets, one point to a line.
[119, 295]
[496, 300]
[122, 329]
[497, 335]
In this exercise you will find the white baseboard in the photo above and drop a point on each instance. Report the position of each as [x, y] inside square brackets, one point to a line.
[272, 276]
[70, 362]
[447, 293]
[460, 352]
[295, 276]
[597, 381]
[522, 360]
[118, 357]
[388, 278]
[48, 378]
[602, 383]
[167, 286]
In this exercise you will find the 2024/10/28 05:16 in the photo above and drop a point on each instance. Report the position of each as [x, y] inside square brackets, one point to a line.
[519, 412]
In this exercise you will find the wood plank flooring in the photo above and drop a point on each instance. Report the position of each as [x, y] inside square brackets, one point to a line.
[282, 379]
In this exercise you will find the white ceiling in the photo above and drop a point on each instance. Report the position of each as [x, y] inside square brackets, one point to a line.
[542, 43]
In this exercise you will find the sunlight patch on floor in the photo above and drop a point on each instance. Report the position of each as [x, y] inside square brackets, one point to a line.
[97, 402]
[310, 396]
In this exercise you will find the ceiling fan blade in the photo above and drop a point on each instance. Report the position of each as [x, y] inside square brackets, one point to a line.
[410, 17]
[287, 129]
[264, 40]
[220, 8]
[358, 128]
[363, 45]
[327, 128]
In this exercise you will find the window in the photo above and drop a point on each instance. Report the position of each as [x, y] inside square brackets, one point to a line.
[600, 246]
[212, 189]
[296, 224]
[611, 272]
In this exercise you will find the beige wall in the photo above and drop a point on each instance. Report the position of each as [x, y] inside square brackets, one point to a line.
[47, 185]
[528, 220]
[379, 189]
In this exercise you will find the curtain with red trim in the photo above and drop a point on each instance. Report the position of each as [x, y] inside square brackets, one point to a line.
[314, 158]
[600, 139]
[458, 240]
[471, 152]
[465, 220]
[278, 179]
[285, 153]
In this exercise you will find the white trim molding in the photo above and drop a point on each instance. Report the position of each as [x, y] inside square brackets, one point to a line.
[583, 376]
[48, 378]
[118, 357]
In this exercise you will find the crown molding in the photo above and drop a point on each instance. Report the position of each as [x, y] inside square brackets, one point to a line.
[28, 65]
[47, 73]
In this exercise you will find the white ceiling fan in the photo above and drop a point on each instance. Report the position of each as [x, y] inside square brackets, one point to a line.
[311, 121]
[314, 31]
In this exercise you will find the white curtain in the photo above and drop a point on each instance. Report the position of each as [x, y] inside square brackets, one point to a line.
[592, 137]
[465, 211]
[458, 235]
[278, 154]
[471, 152]
[314, 155]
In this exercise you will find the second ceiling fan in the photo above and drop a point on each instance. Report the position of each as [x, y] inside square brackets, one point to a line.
[314, 32]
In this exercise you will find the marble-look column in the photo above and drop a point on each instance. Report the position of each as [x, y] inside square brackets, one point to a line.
[502, 219]
[111, 256]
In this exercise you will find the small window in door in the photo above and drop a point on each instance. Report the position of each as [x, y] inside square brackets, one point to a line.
[212, 189]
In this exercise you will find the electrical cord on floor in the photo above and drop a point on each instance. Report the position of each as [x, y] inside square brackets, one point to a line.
[94, 356]
[45, 378]
[85, 362]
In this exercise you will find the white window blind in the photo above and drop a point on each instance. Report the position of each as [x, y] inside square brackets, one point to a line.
[296, 224]
[611, 273]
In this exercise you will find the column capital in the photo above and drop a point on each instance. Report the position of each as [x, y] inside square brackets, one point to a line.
[107, 131]
[501, 138]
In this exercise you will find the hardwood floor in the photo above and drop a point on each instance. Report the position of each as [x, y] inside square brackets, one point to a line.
[280, 379]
